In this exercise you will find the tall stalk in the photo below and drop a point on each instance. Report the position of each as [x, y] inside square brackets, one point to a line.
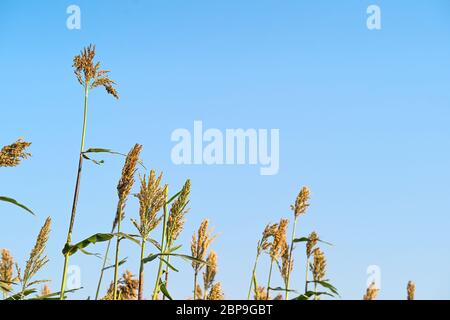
[141, 271]
[116, 263]
[270, 278]
[90, 76]
[291, 249]
[306, 275]
[163, 250]
[102, 271]
[76, 192]
[258, 253]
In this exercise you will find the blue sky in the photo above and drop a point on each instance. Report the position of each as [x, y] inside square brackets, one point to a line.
[363, 118]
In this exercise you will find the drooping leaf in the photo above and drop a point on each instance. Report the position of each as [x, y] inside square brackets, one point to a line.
[129, 237]
[164, 291]
[99, 237]
[328, 286]
[169, 265]
[14, 202]
[103, 150]
[305, 239]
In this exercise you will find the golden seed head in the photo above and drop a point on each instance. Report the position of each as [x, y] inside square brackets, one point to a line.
[301, 203]
[7, 269]
[127, 288]
[216, 292]
[127, 180]
[200, 244]
[278, 297]
[211, 270]
[311, 243]
[11, 155]
[269, 231]
[287, 262]
[45, 291]
[37, 259]
[371, 292]
[152, 198]
[411, 289]
[177, 214]
[89, 73]
[198, 292]
[261, 293]
[319, 265]
[279, 240]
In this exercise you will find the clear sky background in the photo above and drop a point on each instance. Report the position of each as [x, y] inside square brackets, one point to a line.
[363, 118]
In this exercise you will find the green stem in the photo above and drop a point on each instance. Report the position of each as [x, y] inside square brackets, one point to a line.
[141, 271]
[270, 277]
[291, 249]
[195, 284]
[105, 260]
[253, 274]
[306, 276]
[163, 250]
[76, 192]
[116, 265]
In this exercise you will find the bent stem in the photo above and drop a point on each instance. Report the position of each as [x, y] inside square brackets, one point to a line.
[163, 250]
[76, 192]
[291, 250]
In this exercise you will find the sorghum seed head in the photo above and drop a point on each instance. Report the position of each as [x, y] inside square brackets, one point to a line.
[301, 203]
[371, 292]
[319, 265]
[127, 180]
[89, 73]
[211, 270]
[11, 155]
[216, 292]
[311, 243]
[177, 214]
[200, 244]
[411, 289]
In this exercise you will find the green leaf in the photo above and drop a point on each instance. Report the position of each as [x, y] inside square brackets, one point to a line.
[14, 202]
[281, 289]
[310, 294]
[306, 239]
[173, 197]
[152, 257]
[54, 295]
[173, 249]
[129, 237]
[21, 295]
[169, 265]
[103, 150]
[99, 237]
[121, 262]
[328, 286]
[164, 291]
[302, 239]
[99, 163]
[155, 243]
